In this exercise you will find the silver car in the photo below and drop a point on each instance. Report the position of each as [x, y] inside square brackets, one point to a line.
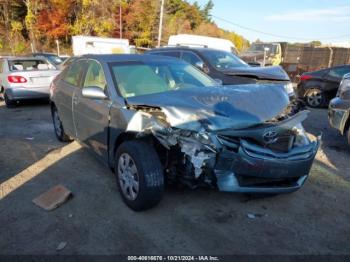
[155, 119]
[25, 78]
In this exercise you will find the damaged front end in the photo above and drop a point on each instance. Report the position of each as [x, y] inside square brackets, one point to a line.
[272, 157]
[236, 139]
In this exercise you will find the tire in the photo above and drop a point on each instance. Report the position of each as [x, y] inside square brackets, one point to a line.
[57, 124]
[315, 98]
[139, 175]
[348, 135]
[9, 102]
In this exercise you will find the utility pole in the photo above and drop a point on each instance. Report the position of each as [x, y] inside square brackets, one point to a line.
[160, 22]
[120, 20]
[58, 47]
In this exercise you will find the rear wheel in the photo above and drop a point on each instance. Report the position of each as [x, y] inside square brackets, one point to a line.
[57, 123]
[315, 98]
[139, 175]
[9, 102]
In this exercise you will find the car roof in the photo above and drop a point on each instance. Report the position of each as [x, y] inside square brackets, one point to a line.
[183, 48]
[127, 57]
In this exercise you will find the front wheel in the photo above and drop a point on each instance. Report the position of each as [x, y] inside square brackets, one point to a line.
[139, 175]
[57, 124]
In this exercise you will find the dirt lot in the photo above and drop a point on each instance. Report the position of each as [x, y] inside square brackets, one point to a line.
[314, 220]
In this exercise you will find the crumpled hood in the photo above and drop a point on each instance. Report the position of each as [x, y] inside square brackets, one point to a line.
[262, 73]
[217, 108]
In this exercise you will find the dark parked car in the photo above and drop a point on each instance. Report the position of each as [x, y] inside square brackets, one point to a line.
[52, 58]
[226, 67]
[339, 108]
[156, 119]
[319, 87]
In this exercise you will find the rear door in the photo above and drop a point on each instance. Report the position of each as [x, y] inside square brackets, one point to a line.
[69, 80]
[91, 116]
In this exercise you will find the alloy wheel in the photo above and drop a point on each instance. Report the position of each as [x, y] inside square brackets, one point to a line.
[314, 98]
[128, 176]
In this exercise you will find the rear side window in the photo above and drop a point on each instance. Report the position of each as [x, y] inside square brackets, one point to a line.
[175, 54]
[73, 73]
[29, 65]
[339, 72]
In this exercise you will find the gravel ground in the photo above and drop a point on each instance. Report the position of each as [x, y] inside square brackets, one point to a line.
[314, 220]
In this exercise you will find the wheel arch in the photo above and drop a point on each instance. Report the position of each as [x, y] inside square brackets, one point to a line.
[127, 136]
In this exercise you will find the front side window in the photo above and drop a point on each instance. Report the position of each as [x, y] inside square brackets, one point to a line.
[95, 75]
[73, 73]
[222, 60]
[143, 78]
[191, 58]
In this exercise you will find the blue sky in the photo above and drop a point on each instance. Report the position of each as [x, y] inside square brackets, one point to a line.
[292, 20]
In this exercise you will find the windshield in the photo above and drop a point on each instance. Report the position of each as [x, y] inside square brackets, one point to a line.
[222, 60]
[29, 65]
[261, 47]
[143, 78]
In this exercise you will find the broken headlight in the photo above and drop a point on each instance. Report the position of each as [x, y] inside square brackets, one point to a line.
[301, 138]
[289, 89]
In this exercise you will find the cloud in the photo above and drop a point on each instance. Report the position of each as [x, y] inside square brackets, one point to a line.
[336, 14]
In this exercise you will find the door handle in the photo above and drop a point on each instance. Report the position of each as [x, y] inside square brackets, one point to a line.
[75, 100]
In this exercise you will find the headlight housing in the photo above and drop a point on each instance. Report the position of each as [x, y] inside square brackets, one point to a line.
[344, 86]
[301, 138]
[289, 89]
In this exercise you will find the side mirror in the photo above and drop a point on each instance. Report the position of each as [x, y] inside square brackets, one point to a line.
[199, 65]
[93, 92]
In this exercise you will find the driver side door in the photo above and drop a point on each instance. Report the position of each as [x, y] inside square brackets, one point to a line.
[91, 115]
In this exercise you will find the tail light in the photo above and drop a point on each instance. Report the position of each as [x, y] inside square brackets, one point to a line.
[16, 79]
[305, 77]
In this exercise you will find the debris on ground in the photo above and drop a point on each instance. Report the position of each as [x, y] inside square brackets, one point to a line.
[30, 138]
[61, 246]
[254, 215]
[53, 198]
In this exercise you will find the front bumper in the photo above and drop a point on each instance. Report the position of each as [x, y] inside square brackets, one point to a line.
[18, 93]
[338, 114]
[253, 169]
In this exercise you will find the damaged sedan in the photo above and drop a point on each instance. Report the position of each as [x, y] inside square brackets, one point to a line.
[156, 119]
